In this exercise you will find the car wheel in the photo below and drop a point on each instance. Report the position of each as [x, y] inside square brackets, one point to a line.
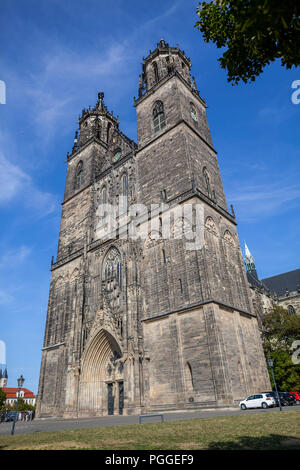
[243, 407]
[264, 405]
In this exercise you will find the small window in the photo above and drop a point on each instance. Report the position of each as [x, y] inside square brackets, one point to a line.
[158, 116]
[291, 310]
[117, 156]
[194, 113]
[164, 194]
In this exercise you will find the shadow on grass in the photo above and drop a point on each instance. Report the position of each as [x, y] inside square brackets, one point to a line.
[270, 442]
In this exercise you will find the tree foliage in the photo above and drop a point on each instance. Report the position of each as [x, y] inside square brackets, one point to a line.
[281, 329]
[287, 374]
[2, 398]
[255, 33]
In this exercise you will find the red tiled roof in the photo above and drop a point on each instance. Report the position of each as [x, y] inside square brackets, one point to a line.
[11, 392]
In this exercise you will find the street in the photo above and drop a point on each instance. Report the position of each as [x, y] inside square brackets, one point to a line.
[59, 424]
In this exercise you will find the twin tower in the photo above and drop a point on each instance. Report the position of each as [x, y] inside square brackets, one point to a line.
[141, 324]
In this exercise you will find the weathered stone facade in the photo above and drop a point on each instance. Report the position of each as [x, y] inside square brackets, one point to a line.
[137, 325]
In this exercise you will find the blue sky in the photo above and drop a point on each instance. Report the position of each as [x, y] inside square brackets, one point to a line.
[55, 56]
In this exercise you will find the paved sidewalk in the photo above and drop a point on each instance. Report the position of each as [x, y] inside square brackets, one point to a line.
[59, 424]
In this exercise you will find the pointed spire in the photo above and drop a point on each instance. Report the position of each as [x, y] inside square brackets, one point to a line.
[100, 103]
[5, 376]
[247, 251]
[250, 263]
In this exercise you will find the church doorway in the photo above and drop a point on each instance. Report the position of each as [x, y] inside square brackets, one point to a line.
[101, 382]
[115, 397]
[110, 399]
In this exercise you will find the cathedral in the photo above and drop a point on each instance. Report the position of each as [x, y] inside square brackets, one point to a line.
[141, 324]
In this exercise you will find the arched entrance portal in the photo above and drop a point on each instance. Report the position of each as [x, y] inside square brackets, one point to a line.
[101, 383]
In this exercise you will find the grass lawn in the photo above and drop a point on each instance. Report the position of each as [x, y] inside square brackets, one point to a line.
[248, 431]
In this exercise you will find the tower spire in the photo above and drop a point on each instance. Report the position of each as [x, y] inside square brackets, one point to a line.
[250, 263]
[3, 378]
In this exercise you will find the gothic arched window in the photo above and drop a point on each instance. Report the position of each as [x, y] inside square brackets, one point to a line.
[98, 129]
[112, 277]
[108, 131]
[78, 175]
[291, 310]
[155, 69]
[125, 185]
[123, 202]
[158, 116]
[104, 195]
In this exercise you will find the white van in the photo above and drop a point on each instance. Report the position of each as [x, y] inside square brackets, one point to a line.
[261, 400]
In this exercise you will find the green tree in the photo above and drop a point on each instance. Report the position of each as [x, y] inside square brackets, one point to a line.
[254, 33]
[2, 399]
[22, 405]
[280, 331]
[287, 374]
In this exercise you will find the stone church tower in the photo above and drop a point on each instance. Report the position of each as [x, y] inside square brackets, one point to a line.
[138, 324]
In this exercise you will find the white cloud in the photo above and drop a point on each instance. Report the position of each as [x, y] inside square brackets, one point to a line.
[256, 202]
[12, 179]
[16, 185]
[14, 257]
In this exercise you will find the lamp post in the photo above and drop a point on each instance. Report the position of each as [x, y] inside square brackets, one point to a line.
[271, 365]
[20, 385]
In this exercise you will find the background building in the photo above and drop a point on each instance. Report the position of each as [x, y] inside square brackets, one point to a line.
[282, 289]
[12, 394]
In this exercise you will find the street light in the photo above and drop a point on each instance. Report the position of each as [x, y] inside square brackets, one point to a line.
[271, 365]
[21, 381]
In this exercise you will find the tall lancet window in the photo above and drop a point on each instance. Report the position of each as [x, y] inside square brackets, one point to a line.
[78, 175]
[98, 129]
[108, 131]
[125, 185]
[124, 193]
[104, 195]
[112, 278]
[155, 70]
[158, 116]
